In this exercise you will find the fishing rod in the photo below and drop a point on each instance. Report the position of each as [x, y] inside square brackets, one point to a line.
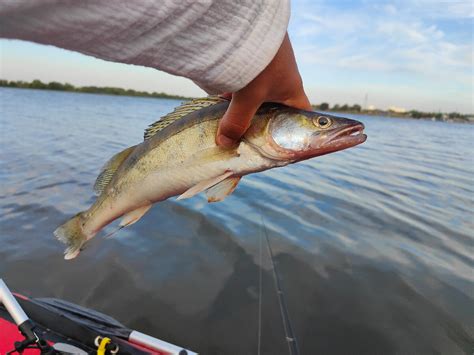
[289, 334]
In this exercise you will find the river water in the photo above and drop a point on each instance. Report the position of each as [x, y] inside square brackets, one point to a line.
[374, 245]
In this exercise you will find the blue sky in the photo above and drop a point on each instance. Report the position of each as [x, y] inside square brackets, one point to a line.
[412, 54]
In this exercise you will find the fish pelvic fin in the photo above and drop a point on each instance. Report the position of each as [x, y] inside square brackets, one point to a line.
[223, 189]
[72, 234]
[133, 216]
[204, 185]
[109, 169]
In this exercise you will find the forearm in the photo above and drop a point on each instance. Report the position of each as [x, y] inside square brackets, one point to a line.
[221, 45]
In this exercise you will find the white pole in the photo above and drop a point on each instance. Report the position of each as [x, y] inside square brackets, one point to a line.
[156, 344]
[11, 304]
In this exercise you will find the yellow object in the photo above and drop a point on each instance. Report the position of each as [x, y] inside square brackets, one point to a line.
[102, 345]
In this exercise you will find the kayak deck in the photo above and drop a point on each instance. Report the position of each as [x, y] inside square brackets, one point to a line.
[58, 321]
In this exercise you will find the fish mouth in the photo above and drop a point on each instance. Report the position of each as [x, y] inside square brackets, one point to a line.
[349, 136]
[343, 138]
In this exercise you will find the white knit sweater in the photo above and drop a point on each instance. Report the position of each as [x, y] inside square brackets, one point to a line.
[219, 44]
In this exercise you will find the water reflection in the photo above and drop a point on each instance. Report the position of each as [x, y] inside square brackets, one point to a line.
[374, 245]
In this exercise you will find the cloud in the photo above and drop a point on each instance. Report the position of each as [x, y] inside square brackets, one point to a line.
[422, 43]
[408, 32]
[313, 24]
[435, 9]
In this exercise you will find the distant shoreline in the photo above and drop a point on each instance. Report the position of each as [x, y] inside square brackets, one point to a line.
[354, 109]
[55, 86]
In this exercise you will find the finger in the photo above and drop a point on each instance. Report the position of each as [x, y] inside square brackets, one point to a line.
[236, 120]
[300, 101]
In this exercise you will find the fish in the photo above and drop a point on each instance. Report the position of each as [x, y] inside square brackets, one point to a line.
[179, 157]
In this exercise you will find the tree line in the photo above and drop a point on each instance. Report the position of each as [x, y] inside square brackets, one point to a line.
[341, 108]
[54, 85]
[454, 116]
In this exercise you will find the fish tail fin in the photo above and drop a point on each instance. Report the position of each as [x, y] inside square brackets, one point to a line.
[72, 234]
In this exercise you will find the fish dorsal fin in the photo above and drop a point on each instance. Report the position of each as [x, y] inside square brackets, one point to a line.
[179, 112]
[110, 168]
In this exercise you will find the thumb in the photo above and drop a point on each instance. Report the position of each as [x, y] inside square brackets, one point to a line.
[297, 99]
[236, 120]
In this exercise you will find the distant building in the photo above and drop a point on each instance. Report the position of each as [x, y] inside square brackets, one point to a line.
[371, 108]
[397, 109]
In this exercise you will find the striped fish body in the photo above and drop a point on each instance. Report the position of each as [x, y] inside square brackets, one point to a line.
[169, 163]
[179, 156]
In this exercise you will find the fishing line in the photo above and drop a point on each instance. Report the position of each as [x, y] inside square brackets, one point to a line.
[111, 234]
[290, 337]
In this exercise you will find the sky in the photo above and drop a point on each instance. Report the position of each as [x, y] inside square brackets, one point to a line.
[414, 54]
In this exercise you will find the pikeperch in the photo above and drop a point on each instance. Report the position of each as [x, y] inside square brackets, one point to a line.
[179, 156]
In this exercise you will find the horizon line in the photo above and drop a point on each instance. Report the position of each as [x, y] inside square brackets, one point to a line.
[144, 93]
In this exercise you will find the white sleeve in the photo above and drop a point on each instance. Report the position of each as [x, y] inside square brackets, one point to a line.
[219, 44]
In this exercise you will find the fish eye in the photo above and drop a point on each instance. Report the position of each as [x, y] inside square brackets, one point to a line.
[322, 122]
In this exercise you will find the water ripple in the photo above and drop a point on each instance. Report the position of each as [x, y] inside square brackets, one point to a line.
[374, 244]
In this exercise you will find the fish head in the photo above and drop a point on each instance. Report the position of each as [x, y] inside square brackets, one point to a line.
[294, 135]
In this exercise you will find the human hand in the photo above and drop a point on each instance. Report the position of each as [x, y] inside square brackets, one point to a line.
[279, 82]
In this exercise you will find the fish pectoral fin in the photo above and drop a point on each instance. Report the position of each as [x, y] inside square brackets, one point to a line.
[110, 168]
[223, 189]
[204, 185]
[133, 216]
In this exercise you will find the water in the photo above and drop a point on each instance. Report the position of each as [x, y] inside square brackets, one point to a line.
[374, 245]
